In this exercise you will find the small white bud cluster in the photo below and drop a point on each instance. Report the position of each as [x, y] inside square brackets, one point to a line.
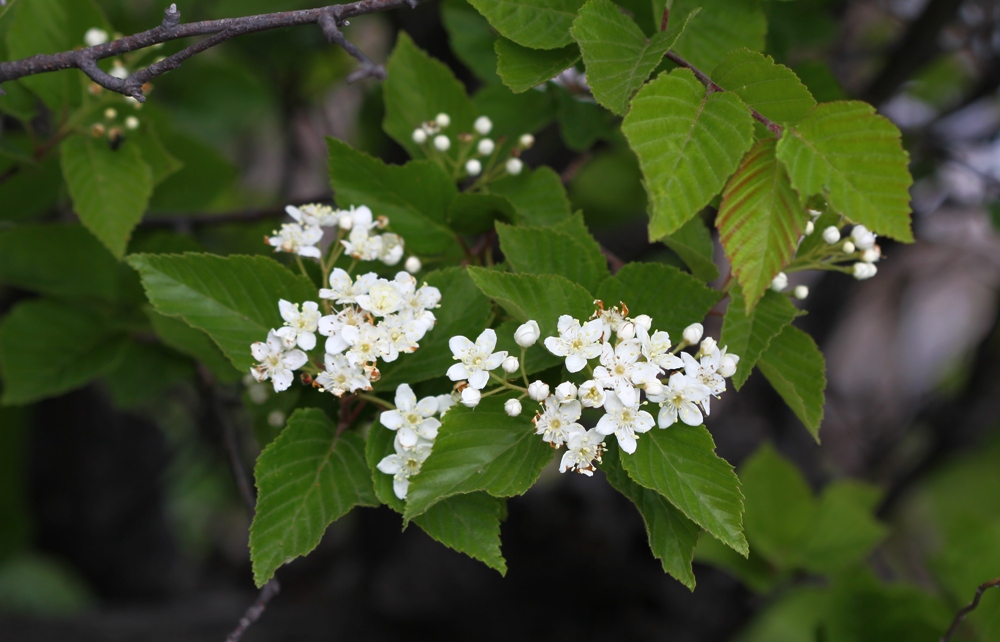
[859, 246]
[864, 242]
[431, 130]
[485, 147]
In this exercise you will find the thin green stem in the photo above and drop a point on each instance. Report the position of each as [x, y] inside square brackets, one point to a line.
[375, 400]
[302, 266]
[524, 372]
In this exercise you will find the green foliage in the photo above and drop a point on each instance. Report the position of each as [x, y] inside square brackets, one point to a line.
[538, 196]
[194, 343]
[144, 372]
[536, 24]
[693, 243]
[476, 213]
[522, 69]
[750, 334]
[540, 297]
[864, 610]
[306, 479]
[471, 38]
[797, 371]
[772, 89]
[233, 299]
[548, 250]
[722, 25]
[688, 142]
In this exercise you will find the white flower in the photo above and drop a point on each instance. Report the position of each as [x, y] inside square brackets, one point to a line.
[442, 120]
[642, 323]
[392, 249]
[591, 395]
[708, 347]
[566, 392]
[863, 238]
[404, 465]
[361, 216]
[626, 421]
[442, 143]
[412, 265]
[510, 365]
[864, 271]
[276, 361]
[343, 290]
[704, 372]
[332, 325]
[412, 419]
[512, 407]
[583, 447]
[681, 399]
[471, 397]
[419, 136]
[527, 334]
[611, 319]
[340, 376]
[476, 359]
[575, 342]
[485, 147]
[656, 349]
[483, 125]
[556, 420]
[621, 369]
[538, 390]
[95, 37]
[831, 235]
[362, 245]
[365, 343]
[445, 403]
[779, 282]
[654, 387]
[345, 222]
[473, 167]
[383, 298]
[525, 141]
[626, 331]
[693, 333]
[299, 326]
[297, 239]
[514, 166]
[801, 292]
[401, 335]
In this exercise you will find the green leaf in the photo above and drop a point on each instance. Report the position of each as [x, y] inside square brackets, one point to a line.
[688, 143]
[722, 25]
[863, 609]
[540, 297]
[48, 259]
[476, 449]
[843, 531]
[537, 24]
[415, 196]
[693, 243]
[471, 38]
[797, 371]
[680, 463]
[672, 537]
[514, 114]
[756, 572]
[477, 213]
[161, 162]
[749, 335]
[546, 250]
[772, 89]
[582, 122]
[673, 299]
[306, 479]
[144, 371]
[522, 69]
[50, 347]
[417, 89]
[464, 310]
[853, 156]
[469, 524]
[793, 616]
[233, 299]
[617, 54]
[194, 343]
[538, 196]
[760, 221]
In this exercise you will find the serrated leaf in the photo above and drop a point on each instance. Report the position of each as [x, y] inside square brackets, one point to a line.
[722, 25]
[680, 463]
[688, 143]
[417, 89]
[471, 38]
[110, 188]
[479, 448]
[514, 114]
[749, 335]
[760, 221]
[843, 531]
[477, 213]
[772, 89]
[464, 310]
[617, 54]
[522, 69]
[756, 572]
[537, 24]
[538, 196]
[540, 297]
[50, 347]
[672, 298]
[233, 299]
[178, 335]
[546, 250]
[161, 162]
[306, 479]
[693, 243]
[853, 156]
[797, 371]
[415, 197]
[672, 537]
[469, 524]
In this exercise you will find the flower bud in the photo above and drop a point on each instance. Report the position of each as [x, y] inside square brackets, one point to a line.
[419, 136]
[692, 334]
[412, 265]
[848, 247]
[863, 238]
[485, 147]
[643, 321]
[110, 113]
[442, 143]
[565, 392]
[864, 271]
[525, 141]
[510, 364]
[654, 387]
[483, 125]
[527, 334]
[800, 292]
[118, 71]
[831, 235]
[514, 166]
[626, 331]
[810, 228]
[276, 419]
[512, 407]
[815, 213]
[345, 222]
[471, 397]
[727, 365]
[591, 394]
[538, 390]
[473, 167]
[132, 123]
[95, 36]
[708, 347]
[779, 282]
[442, 120]
[872, 254]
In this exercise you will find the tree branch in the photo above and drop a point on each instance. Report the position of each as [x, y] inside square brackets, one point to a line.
[256, 609]
[328, 18]
[969, 608]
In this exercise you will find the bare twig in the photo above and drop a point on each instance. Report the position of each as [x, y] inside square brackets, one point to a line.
[253, 613]
[329, 19]
[969, 608]
[614, 263]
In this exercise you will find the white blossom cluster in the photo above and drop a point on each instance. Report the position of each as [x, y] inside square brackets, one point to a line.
[416, 429]
[479, 146]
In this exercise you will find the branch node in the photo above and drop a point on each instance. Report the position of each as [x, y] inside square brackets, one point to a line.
[171, 16]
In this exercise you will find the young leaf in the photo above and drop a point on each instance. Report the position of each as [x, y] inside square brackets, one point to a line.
[233, 299]
[417, 89]
[772, 89]
[760, 221]
[546, 250]
[471, 38]
[582, 122]
[479, 448]
[722, 25]
[110, 188]
[688, 143]
[50, 347]
[538, 196]
[693, 243]
[680, 463]
[618, 56]
[536, 24]
[843, 531]
[673, 299]
[797, 371]
[853, 156]
[306, 479]
[672, 537]
[522, 69]
[749, 335]
[415, 196]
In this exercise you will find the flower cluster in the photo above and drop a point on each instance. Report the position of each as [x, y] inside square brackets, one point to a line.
[478, 154]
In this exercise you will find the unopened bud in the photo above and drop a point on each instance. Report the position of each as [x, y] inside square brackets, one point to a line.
[525, 141]
[512, 407]
[810, 228]
[132, 123]
[483, 125]
[412, 265]
[471, 397]
[831, 235]
[643, 321]
[872, 254]
[538, 390]
[473, 167]
[654, 387]
[863, 238]
[779, 282]
[510, 364]
[864, 271]
[626, 331]
[97, 130]
[801, 292]
[419, 136]
[565, 392]
[514, 166]
[527, 334]
[110, 113]
[708, 347]
[727, 365]
[442, 120]
[692, 334]
[345, 222]
[485, 147]
[848, 247]
[442, 143]
[95, 36]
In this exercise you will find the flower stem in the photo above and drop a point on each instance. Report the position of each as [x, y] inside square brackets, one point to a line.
[375, 400]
